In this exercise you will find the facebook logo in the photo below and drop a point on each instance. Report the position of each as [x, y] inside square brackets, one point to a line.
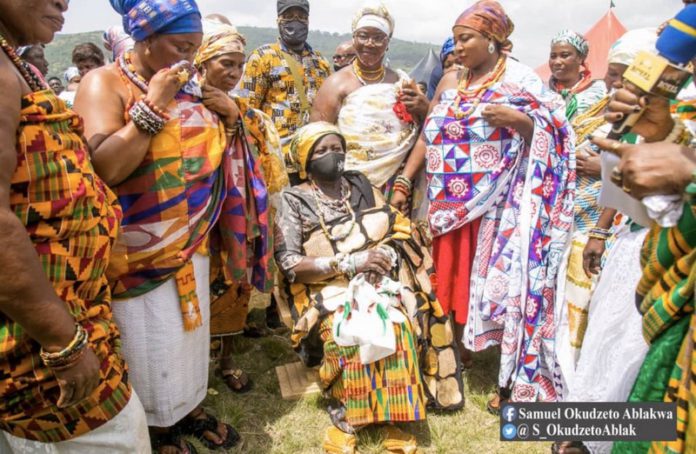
[509, 414]
[509, 431]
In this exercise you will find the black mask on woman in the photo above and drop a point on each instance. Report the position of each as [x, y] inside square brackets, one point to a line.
[294, 33]
[329, 167]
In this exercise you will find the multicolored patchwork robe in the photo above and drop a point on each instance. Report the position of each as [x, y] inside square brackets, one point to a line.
[71, 218]
[230, 295]
[191, 183]
[524, 194]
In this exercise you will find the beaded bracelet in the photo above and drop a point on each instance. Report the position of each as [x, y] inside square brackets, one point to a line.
[401, 189]
[159, 112]
[679, 134]
[69, 355]
[405, 181]
[599, 234]
[347, 266]
[145, 119]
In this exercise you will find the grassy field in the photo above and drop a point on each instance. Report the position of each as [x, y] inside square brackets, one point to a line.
[269, 424]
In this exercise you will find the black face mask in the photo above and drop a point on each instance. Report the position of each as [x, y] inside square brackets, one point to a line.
[294, 33]
[328, 167]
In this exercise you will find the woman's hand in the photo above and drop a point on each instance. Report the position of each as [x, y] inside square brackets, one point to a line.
[589, 164]
[221, 103]
[507, 117]
[592, 256]
[656, 121]
[416, 102]
[399, 201]
[78, 382]
[166, 84]
[502, 116]
[375, 263]
[651, 168]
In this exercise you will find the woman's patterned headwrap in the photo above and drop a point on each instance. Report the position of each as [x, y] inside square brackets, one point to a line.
[117, 41]
[488, 18]
[447, 49]
[306, 138]
[574, 39]
[224, 39]
[144, 18]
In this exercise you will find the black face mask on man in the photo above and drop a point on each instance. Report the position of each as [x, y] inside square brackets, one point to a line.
[329, 167]
[293, 33]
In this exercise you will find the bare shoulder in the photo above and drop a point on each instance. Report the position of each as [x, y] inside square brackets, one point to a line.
[449, 80]
[11, 87]
[101, 100]
[11, 90]
[104, 82]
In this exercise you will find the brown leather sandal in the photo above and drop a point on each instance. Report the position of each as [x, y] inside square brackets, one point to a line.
[501, 396]
[234, 379]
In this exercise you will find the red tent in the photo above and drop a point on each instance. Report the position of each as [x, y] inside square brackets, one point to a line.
[601, 37]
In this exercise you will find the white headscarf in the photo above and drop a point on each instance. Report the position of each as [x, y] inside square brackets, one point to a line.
[374, 15]
[624, 50]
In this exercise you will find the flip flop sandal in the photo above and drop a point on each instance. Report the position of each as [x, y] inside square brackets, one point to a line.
[400, 442]
[198, 427]
[171, 437]
[236, 374]
[338, 442]
[497, 401]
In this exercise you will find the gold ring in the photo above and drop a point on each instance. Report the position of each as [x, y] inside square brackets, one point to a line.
[615, 146]
[184, 75]
[617, 176]
[625, 189]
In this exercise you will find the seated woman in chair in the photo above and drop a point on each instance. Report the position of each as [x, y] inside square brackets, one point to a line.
[351, 262]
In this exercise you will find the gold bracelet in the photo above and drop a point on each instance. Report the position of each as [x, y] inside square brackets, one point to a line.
[680, 134]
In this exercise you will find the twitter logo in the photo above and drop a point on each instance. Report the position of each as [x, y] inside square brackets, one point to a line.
[509, 431]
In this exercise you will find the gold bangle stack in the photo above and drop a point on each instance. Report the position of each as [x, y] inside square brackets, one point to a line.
[70, 355]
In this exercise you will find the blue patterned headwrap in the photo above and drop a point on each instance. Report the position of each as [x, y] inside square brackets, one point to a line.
[447, 49]
[144, 18]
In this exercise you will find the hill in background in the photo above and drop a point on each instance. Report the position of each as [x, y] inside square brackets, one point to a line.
[402, 54]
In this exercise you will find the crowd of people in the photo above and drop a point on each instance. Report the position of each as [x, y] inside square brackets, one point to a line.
[149, 193]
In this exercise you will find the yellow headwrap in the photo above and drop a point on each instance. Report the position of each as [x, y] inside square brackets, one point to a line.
[224, 39]
[305, 139]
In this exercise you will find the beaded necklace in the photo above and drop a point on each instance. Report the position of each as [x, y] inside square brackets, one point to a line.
[126, 66]
[464, 92]
[35, 83]
[366, 76]
[322, 200]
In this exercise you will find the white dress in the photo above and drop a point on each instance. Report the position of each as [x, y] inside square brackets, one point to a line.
[167, 366]
[613, 349]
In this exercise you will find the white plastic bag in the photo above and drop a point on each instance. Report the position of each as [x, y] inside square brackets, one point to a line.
[367, 317]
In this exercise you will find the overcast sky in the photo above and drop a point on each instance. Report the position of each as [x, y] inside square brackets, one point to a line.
[536, 21]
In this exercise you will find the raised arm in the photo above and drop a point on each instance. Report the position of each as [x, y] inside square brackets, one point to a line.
[26, 295]
[118, 147]
[416, 159]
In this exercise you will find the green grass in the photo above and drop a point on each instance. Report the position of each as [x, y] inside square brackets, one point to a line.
[269, 424]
